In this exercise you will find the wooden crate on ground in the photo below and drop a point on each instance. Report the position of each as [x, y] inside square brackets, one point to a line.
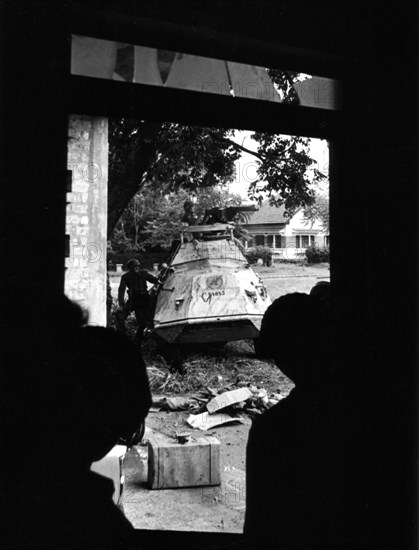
[195, 463]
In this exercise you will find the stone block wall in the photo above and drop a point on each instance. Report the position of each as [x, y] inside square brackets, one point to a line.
[86, 222]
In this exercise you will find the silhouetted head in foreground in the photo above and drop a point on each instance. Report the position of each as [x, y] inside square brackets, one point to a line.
[87, 387]
[296, 333]
[98, 390]
[322, 292]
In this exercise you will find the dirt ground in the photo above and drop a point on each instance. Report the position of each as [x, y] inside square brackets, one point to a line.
[219, 508]
[212, 509]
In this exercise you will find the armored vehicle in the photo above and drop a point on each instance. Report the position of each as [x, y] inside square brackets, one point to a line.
[210, 293]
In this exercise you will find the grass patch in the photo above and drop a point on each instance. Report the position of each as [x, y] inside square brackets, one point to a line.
[234, 365]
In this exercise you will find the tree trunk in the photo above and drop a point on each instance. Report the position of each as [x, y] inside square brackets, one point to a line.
[122, 190]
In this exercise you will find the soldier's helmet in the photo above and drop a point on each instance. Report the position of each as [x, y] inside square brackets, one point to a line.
[133, 263]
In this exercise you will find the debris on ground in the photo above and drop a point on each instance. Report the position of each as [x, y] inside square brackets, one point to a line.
[228, 398]
[233, 381]
[249, 400]
[205, 406]
[206, 421]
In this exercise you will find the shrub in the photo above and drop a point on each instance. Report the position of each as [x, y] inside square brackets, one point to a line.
[252, 255]
[317, 254]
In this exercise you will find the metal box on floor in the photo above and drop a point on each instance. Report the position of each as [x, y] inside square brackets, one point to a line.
[171, 464]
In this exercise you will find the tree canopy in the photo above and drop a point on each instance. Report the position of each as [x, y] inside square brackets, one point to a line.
[153, 217]
[167, 156]
[172, 157]
[319, 209]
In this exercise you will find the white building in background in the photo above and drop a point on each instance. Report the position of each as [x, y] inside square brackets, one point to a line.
[288, 237]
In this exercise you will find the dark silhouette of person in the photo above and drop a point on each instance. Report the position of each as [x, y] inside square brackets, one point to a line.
[134, 281]
[189, 215]
[90, 390]
[290, 468]
[322, 291]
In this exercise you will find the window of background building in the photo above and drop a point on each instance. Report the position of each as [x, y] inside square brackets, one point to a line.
[304, 241]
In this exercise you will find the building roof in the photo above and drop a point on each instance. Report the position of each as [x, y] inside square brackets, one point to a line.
[267, 214]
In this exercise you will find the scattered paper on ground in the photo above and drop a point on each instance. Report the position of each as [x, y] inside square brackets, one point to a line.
[228, 398]
[206, 421]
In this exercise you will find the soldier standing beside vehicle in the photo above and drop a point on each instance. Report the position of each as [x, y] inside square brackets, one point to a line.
[134, 281]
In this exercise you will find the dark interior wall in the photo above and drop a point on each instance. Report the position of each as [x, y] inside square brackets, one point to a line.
[373, 189]
[35, 66]
[374, 277]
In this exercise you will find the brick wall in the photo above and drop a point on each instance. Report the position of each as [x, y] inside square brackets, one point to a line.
[86, 224]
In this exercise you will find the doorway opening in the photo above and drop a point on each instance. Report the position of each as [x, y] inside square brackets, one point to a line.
[215, 169]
